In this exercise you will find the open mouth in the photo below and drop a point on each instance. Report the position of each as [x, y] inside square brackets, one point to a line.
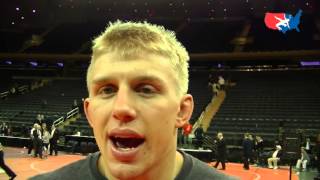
[126, 143]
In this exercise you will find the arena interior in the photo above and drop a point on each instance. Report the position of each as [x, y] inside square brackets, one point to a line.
[270, 83]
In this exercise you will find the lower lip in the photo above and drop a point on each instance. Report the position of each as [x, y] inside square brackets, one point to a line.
[124, 156]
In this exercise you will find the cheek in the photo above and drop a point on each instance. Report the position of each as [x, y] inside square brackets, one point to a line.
[161, 122]
[99, 120]
[159, 113]
[98, 114]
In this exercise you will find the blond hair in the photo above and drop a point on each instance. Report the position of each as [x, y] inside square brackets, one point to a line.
[131, 38]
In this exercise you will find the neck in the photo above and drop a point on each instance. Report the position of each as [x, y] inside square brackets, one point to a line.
[166, 169]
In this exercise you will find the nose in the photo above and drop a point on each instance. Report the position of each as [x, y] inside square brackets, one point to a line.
[123, 109]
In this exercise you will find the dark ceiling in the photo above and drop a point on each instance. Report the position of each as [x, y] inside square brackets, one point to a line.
[44, 13]
[46, 27]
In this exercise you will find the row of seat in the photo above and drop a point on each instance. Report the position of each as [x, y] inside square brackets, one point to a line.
[262, 102]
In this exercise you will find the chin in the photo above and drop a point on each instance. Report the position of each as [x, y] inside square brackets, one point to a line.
[126, 171]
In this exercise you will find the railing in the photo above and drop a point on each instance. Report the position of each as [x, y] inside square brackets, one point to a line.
[72, 113]
[23, 88]
[69, 114]
[4, 94]
[58, 121]
[199, 121]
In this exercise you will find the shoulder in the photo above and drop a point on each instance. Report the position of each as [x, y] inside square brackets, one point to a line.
[77, 170]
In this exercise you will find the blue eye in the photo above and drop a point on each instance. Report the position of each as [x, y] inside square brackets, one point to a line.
[107, 90]
[146, 89]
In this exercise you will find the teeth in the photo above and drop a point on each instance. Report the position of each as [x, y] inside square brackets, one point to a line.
[126, 149]
[119, 145]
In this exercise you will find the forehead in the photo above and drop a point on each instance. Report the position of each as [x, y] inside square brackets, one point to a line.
[111, 66]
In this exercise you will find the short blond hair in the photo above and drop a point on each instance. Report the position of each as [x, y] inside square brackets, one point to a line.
[131, 38]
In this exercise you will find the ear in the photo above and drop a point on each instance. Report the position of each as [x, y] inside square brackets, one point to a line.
[86, 105]
[185, 110]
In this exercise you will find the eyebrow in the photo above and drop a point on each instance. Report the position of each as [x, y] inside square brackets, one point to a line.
[101, 80]
[149, 79]
[145, 78]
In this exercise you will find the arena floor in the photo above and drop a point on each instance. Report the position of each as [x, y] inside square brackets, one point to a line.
[25, 166]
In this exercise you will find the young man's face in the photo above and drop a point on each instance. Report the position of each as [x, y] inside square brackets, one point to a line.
[134, 110]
